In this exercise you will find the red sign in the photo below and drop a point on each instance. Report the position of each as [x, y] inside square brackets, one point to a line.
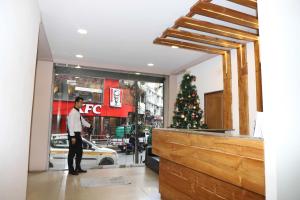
[64, 107]
[88, 108]
[105, 110]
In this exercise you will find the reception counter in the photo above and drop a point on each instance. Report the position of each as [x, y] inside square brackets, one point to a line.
[206, 165]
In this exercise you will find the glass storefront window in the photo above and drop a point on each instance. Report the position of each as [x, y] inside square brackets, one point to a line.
[109, 105]
[68, 87]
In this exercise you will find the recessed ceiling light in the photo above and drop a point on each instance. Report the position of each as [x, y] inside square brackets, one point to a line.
[82, 31]
[175, 47]
[79, 56]
[78, 67]
[150, 64]
[137, 73]
[76, 77]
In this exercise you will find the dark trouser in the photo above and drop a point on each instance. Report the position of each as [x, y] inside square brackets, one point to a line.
[75, 149]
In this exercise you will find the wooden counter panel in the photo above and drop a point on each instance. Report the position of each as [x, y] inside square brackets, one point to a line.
[239, 146]
[179, 182]
[233, 160]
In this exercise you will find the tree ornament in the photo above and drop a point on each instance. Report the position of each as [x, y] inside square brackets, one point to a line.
[182, 116]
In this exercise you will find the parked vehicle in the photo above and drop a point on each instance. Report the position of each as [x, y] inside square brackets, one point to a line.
[92, 157]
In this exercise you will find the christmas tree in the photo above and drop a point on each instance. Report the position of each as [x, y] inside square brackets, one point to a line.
[187, 112]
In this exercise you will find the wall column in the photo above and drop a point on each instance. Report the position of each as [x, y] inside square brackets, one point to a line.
[279, 41]
[41, 117]
[20, 22]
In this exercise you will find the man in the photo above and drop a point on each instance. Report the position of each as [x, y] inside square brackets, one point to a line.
[75, 123]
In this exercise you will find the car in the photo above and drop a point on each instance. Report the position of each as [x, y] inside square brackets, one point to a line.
[93, 156]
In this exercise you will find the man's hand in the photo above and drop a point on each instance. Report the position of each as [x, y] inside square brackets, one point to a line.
[73, 141]
[91, 129]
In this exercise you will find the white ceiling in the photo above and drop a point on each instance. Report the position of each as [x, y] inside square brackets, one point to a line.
[120, 33]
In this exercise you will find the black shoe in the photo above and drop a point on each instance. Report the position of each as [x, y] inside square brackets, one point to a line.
[73, 173]
[81, 171]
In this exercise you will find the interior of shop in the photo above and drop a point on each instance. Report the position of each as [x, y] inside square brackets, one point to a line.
[137, 99]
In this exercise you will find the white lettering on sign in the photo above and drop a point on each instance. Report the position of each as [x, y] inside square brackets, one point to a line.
[95, 109]
[91, 107]
[88, 107]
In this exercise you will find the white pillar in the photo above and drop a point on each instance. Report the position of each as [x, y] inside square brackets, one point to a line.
[19, 30]
[171, 90]
[280, 57]
[41, 124]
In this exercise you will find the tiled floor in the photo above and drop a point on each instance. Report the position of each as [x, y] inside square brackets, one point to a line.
[58, 185]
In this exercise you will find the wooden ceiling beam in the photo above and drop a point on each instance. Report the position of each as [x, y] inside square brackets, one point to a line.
[225, 14]
[190, 46]
[247, 3]
[204, 26]
[185, 35]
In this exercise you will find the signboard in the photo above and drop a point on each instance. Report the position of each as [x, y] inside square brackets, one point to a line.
[115, 97]
[88, 108]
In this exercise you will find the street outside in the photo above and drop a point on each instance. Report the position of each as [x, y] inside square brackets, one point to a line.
[123, 158]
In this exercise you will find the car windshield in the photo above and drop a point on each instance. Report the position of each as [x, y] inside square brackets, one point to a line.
[89, 143]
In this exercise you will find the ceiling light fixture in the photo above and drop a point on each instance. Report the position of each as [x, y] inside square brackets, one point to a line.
[150, 64]
[78, 67]
[82, 31]
[79, 56]
[137, 73]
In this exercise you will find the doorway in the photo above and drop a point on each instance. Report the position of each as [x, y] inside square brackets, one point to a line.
[214, 110]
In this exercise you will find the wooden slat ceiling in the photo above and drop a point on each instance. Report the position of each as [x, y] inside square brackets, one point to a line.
[225, 14]
[212, 37]
[247, 3]
[195, 37]
[186, 45]
[215, 29]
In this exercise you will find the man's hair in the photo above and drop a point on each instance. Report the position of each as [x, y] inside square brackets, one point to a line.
[77, 99]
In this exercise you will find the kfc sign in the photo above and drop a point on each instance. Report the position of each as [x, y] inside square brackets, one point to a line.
[88, 108]
[116, 97]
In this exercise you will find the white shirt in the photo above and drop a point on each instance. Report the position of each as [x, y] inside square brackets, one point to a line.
[75, 122]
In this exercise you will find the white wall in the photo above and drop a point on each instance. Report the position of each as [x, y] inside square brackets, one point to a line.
[19, 29]
[39, 139]
[210, 79]
[279, 38]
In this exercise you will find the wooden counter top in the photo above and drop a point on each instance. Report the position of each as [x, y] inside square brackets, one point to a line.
[219, 165]
[213, 132]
